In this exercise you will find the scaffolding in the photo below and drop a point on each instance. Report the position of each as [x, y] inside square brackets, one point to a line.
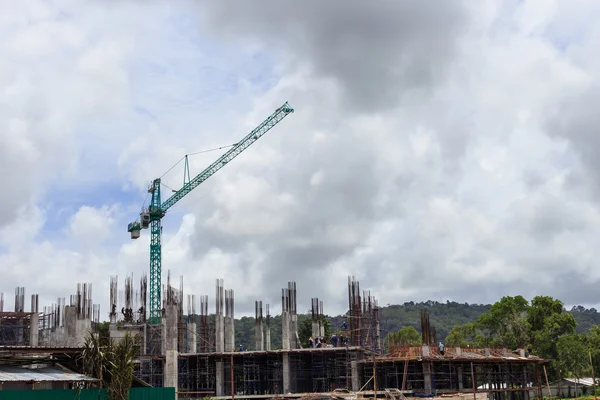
[425, 371]
[273, 374]
[251, 367]
[150, 370]
[153, 340]
[14, 328]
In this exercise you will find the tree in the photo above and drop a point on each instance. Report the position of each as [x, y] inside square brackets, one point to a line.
[506, 323]
[572, 355]
[465, 335]
[549, 321]
[592, 340]
[541, 307]
[407, 336]
[103, 331]
[305, 330]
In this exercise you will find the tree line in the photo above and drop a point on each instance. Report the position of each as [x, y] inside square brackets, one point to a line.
[542, 327]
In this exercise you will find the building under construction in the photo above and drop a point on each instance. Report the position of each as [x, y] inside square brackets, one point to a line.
[197, 354]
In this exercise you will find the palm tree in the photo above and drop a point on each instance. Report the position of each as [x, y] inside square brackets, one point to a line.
[93, 357]
[120, 367]
[113, 361]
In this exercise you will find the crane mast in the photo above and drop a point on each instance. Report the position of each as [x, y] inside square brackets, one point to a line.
[151, 216]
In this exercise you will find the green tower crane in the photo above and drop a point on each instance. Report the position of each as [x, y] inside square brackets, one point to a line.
[151, 216]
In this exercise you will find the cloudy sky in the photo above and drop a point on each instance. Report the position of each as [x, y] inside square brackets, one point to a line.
[447, 152]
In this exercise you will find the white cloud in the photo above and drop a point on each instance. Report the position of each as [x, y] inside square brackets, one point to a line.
[457, 183]
[92, 226]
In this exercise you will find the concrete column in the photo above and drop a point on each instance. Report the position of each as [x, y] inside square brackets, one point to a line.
[192, 337]
[459, 370]
[377, 334]
[219, 382]
[355, 377]
[169, 346]
[21, 331]
[260, 342]
[34, 323]
[316, 331]
[427, 377]
[170, 377]
[425, 350]
[525, 379]
[285, 330]
[70, 326]
[232, 335]
[321, 328]
[169, 329]
[220, 334]
[293, 331]
[268, 338]
[227, 335]
[286, 373]
[144, 339]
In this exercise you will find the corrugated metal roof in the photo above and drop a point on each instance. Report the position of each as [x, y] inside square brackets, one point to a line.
[580, 381]
[18, 374]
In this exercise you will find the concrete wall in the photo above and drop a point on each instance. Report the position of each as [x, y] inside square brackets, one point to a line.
[117, 333]
[73, 332]
[76, 329]
[58, 337]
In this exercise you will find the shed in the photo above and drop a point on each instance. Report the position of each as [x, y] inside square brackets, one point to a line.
[570, 387]
[22, 378]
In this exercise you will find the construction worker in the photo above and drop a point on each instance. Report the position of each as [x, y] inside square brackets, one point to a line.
[334, 340]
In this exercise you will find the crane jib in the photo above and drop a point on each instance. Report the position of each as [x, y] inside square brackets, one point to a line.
[242, 145]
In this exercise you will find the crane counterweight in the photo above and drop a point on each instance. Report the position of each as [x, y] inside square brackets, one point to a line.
[152, 216]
